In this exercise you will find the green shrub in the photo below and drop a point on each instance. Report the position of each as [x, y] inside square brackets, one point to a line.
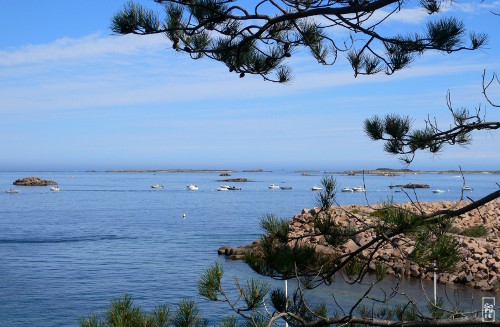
[455, 230]
[475, 231]
[379, 213]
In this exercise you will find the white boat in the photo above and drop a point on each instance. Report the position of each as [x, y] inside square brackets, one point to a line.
[466, 188]
[316, 188]
[192, 187]
[222, 188]
[358, 189]
[12, 191]
[273, 186]
[437, 191]
[347, 189]
[54, 189]
[156, 186]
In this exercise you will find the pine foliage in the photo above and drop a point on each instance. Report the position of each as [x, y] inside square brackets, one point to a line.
[259, 38]
[123, 313]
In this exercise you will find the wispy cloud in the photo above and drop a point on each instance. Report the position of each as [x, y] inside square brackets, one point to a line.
[87, 48]
[413, 16]
[470, 8]
[104, 71]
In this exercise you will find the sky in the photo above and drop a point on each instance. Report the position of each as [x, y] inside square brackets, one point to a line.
[74, 96]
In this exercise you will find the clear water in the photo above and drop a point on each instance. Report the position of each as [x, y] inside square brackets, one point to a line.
[67, 254]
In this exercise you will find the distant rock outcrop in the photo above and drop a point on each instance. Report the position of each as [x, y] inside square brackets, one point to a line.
[410, 186]
[33, 181]
[237, 180]
[238, 253]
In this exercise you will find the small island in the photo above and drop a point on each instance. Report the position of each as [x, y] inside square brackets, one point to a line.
[33, 181]
[260, 170]
[234, 180]
[410, 186]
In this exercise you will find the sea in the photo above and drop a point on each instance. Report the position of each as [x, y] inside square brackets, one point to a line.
[67, 254]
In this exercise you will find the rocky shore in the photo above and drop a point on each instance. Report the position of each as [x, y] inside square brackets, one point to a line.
[479, 267]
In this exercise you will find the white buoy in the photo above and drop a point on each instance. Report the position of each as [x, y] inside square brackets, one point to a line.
[184, 216]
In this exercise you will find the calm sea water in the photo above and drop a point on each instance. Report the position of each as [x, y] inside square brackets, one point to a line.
[67, 254]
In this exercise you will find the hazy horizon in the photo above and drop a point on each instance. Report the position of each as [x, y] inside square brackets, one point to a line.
[237, 169]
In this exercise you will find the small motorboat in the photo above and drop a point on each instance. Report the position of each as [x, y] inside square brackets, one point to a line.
[192, 187]
[234, 188]
[12, 191]
[156, 186]
[54, 189]
[316, 188]
[466, 188]
[222, 188]
[285, 187]
[273, 186]
[358, 189]
[437, 191]
[347, 189]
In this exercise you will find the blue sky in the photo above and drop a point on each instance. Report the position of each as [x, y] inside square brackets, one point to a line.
[74, 96]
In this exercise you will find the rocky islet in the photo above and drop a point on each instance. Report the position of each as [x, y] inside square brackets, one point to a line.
[33, 181]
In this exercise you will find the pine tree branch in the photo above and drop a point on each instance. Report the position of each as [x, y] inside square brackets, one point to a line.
[259, 41]
[383, 322]
[455, 213]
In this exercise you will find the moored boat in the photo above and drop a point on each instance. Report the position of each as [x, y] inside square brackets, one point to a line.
[54, 189]
[222, 188]
[12, 191]
[273, 186]
[347, 189]
[316, 188]
[192, 187]
[437, 191]
[156, 186]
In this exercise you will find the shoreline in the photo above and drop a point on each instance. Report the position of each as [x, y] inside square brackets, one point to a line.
[170, 171]
[479, 267]
[387, 172]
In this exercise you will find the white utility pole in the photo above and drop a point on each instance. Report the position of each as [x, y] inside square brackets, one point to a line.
[286, 299]
[435, 284]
